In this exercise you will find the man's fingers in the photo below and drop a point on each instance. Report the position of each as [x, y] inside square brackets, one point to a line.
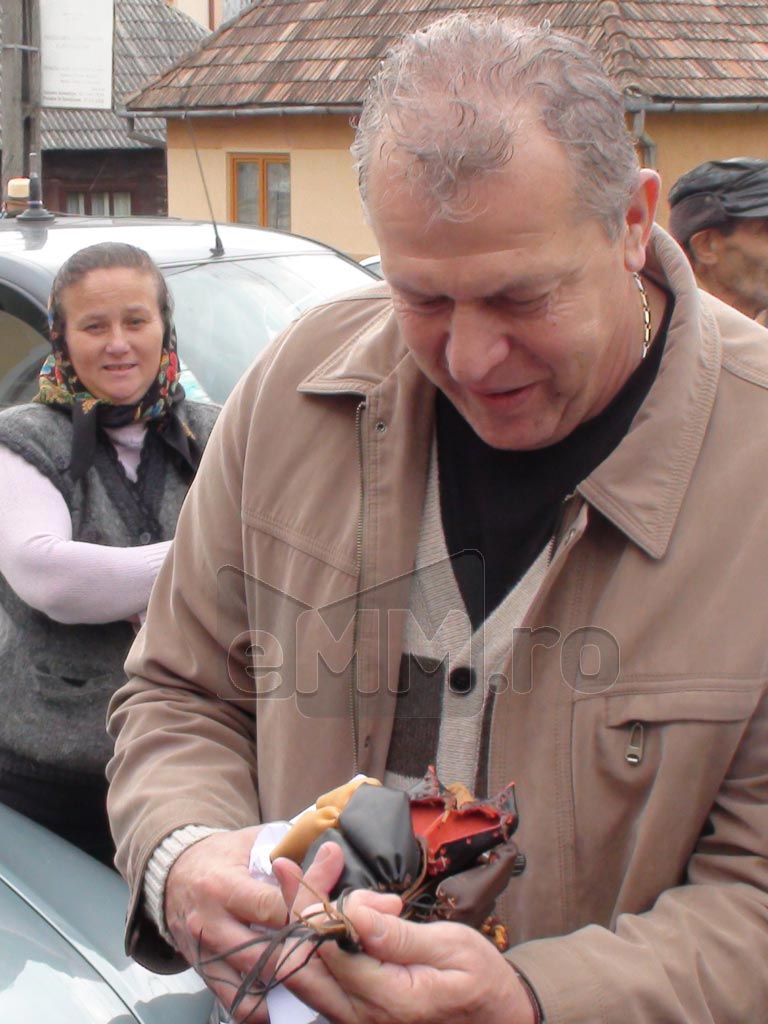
[299, 890]
[225, 982]
[225, 941]
[255, 902]
[388, 937]
[322, 874]
[289, 875]
[212, 875]
[254, 957]
[203, 935]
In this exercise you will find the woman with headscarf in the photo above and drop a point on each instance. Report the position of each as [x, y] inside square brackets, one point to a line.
[93, 473]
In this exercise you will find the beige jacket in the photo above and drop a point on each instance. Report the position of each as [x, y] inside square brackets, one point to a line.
[642, 775]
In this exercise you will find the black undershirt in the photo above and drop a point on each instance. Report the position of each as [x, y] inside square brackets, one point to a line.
[499, 508]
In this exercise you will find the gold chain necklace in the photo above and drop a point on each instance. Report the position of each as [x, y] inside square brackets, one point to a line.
[647, 339]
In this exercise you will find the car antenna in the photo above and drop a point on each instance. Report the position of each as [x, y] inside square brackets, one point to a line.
[218, 248]
[35, 210]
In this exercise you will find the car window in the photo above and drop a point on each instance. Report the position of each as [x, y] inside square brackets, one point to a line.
[372, 263]
[23, 347]
[226, 313]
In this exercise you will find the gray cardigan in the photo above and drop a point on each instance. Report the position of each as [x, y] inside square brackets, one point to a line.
[57, 679]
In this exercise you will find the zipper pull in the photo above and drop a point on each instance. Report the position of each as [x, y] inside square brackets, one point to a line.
[634, 752]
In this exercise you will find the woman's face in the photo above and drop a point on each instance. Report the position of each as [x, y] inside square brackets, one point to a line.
[114, 332]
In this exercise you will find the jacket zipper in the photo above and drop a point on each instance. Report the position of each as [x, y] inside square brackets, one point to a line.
[634, 752]
[561, 514]
[353, 705]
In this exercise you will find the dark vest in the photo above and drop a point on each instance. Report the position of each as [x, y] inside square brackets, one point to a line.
[56, 680]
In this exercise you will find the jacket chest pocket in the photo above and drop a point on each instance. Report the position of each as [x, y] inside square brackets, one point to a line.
[653, 725]
[653, 757]
[646, 772]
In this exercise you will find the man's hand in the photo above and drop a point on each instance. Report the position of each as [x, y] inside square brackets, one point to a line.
[210, 901]
[441, 972]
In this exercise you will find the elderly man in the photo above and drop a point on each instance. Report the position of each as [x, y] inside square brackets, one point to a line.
[719, 214]
[541, 387]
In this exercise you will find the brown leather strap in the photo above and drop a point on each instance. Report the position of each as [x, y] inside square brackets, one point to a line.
[538, 1016]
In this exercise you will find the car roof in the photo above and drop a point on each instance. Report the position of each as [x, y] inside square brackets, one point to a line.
[168, 240]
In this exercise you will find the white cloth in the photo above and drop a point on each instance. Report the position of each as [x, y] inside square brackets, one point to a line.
[70, 581]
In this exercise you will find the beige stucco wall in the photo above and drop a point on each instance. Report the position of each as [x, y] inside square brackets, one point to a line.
[324, 198]
[685, 140]
[200, 10]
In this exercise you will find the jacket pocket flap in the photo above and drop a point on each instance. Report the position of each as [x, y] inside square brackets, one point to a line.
[681, 705]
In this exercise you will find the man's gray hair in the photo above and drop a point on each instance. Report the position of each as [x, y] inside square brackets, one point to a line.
[453, 96]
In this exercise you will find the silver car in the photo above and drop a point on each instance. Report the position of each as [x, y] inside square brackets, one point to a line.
[61, 957]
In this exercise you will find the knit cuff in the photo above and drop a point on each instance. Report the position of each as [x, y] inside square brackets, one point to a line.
[160, 863]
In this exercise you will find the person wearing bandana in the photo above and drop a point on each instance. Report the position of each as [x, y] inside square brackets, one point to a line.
[719, 215]
[94, 472]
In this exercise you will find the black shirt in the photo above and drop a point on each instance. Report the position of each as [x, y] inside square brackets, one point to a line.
[499, 508]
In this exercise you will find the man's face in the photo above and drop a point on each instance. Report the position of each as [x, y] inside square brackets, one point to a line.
[526, 316]
[740, 275]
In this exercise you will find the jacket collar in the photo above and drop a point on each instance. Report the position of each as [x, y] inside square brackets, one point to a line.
[366, 359]
[641, 486]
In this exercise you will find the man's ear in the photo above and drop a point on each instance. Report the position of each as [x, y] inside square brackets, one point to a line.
[639, 218]
[705, 247]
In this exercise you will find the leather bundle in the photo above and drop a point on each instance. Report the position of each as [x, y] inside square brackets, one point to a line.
[446, 854]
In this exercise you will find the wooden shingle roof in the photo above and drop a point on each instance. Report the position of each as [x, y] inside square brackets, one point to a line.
[299, 53]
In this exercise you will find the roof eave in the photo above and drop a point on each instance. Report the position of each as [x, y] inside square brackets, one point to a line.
[264, 110]
[636, 101]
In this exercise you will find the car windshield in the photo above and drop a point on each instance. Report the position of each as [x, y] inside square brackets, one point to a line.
[226, 313]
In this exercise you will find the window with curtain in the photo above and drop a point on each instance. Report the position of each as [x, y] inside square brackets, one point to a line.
[261, 190]
[99, 204]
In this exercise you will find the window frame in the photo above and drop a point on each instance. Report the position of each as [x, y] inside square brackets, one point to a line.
[263, 160]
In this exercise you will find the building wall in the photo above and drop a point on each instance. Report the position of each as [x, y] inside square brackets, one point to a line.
[324, 197]
[685, 140]
[138, 171]
[206, 12]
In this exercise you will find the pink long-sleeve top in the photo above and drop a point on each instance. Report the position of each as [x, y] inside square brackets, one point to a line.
[70, 581]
